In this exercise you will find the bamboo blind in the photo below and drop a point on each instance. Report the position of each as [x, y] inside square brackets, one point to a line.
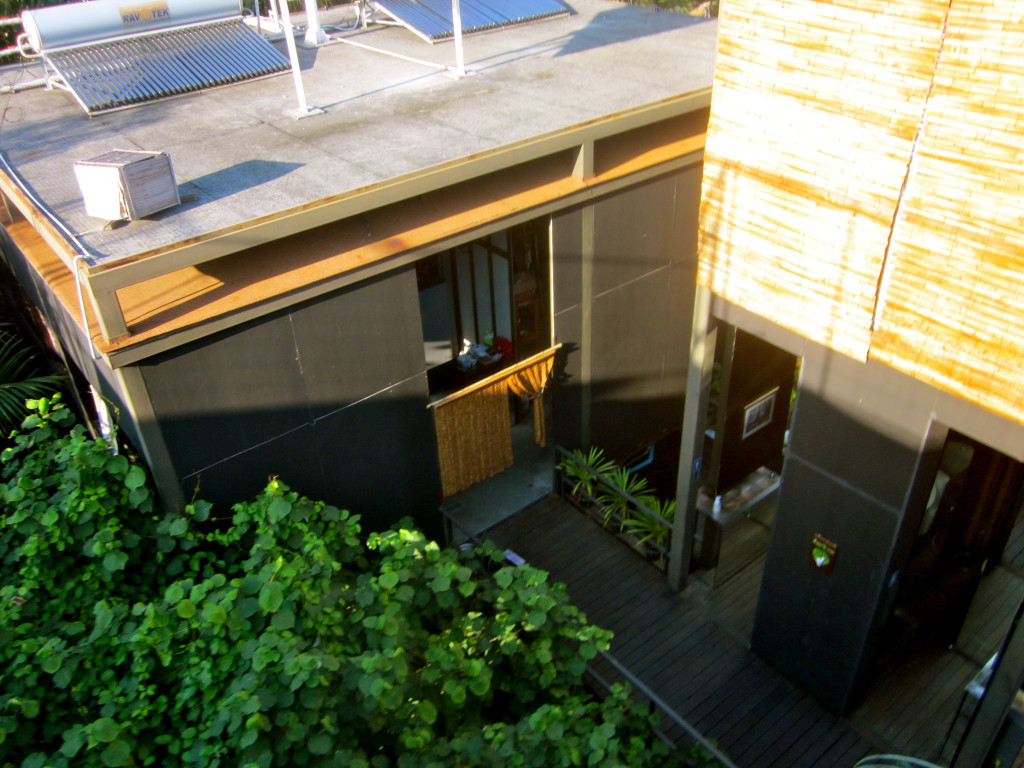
[813, 116]
[474, 430]
[474, 437]
[953, 312]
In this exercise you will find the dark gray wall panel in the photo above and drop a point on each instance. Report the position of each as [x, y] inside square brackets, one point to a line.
[379, 458]
[228, 393]
[632, 405]
[567, 259]
[640, 310]
[359, 342]
[567, 408]
[687, 209]
[633, 233]
[851, 464]
[291, 457]
[330, 396]
[811, 625]
[854, 415]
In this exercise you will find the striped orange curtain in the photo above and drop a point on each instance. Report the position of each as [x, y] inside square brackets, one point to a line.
[530, 383]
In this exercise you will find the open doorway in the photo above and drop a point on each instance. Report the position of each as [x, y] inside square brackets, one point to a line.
[485, 311]
[965, 527]
[959, 588]
[750, 405]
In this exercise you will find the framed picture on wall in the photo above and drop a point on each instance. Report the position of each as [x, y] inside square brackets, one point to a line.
[759, 413]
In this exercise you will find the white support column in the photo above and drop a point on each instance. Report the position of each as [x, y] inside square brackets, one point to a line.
[460, 61]
[303, 109]
[105, 422]
[314, 34]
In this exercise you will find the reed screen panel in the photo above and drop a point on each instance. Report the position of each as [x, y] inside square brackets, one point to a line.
[862, 183]
[952, 312]
[813, 117]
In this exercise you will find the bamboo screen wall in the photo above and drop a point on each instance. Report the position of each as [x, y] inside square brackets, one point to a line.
[474, 430]
[953, 312]
[815, 111]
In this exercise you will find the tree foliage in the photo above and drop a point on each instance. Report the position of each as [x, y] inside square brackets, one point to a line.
[280, 636]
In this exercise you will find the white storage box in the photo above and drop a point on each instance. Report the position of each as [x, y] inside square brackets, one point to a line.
[127, 184]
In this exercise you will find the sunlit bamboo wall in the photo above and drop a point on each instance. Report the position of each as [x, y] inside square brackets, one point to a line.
[814, 114]
[953, 314]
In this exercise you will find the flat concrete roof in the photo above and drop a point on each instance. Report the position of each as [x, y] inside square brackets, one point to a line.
[240, 153]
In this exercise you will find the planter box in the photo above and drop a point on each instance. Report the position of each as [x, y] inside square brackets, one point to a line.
[596, 513]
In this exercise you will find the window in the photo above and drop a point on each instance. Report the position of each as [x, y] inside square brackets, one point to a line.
[491, 294]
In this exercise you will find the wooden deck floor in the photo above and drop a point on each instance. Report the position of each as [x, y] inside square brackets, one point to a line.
[688, 649]
[691, 650]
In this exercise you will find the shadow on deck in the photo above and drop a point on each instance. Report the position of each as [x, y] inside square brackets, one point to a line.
[687, 648]
[691, 650]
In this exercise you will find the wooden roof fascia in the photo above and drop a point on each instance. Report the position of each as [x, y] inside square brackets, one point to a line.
[301, 218]
[132, 350]
[106, 278]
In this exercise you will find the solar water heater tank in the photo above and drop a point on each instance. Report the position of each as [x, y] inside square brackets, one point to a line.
[75, 24]
[114, 54]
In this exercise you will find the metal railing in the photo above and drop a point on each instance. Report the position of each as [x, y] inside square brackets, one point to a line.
[665, 711]
[562, 481]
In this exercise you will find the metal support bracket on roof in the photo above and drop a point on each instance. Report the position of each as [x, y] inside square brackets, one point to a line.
[303, 110]
[314, 34]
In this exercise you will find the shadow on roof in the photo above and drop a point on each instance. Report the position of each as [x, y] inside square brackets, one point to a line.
[628, 23]
[236, 178]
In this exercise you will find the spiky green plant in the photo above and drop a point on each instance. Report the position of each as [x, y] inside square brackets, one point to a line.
[646, 529]
[21, 379]
[614, 500]
[583, 469]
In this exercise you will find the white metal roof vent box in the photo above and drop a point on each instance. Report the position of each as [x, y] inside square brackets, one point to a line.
[127, 184]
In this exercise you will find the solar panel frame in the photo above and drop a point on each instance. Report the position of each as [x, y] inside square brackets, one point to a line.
[131, 71]
[432, 19]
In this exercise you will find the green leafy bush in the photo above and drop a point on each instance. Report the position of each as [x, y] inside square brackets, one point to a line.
[281, 636]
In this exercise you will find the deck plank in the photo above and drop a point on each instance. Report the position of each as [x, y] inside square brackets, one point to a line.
[675, 644]
[692, 651]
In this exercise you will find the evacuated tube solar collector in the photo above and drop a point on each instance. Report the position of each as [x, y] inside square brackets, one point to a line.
[112, 55]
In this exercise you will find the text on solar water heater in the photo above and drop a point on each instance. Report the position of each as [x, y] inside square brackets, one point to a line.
[144, 14]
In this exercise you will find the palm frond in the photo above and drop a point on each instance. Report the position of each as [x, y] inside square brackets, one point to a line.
[20, 380]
